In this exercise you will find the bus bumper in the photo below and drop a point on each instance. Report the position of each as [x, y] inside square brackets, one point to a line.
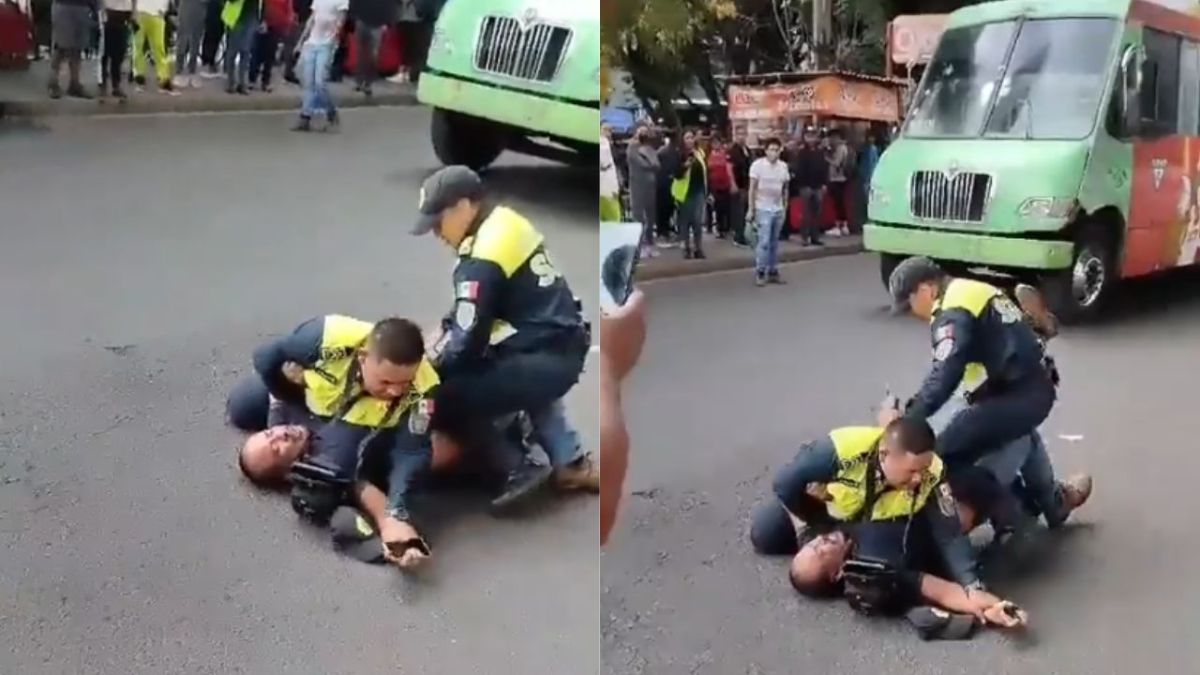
[538, 114]
[980, 249]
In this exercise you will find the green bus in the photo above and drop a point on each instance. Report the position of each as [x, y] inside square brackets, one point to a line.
[1054, 141]
[519, 75]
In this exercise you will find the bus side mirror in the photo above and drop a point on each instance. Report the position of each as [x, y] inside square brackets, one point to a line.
[1130, 87]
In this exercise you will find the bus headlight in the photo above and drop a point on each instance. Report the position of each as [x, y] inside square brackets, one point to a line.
[439, 43]
[877, 197]
[1048, 207]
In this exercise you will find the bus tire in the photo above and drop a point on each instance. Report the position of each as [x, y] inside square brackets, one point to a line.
[1078, 293]
[887, 264]
[459, 139]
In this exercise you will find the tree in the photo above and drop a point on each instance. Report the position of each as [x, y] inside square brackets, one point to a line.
[661, 43]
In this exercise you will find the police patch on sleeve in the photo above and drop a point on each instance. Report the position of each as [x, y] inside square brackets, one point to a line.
[1008, 311]
[464, 315]
[943, 349]
[944, 332]
[418, 419]
[945, 500]
[468, 290]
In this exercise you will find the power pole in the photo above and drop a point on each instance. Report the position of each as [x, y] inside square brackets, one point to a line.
[822, 32]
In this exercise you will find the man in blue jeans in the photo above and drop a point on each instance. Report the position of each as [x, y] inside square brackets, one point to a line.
[318, 43]
[769, 178]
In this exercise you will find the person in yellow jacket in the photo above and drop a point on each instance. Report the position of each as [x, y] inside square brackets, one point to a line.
[514, 340]
[689, 190]
[879, 494]
[346, 397]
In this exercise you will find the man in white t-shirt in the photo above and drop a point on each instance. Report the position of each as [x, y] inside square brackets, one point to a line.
[769, 178]
[318, 43]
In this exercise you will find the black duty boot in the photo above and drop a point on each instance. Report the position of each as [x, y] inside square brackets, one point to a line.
[522, 482]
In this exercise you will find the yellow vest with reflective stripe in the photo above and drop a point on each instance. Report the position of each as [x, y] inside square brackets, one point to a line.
[325, 382]
[856, 453]
[974, 297]
[508, 239]
[679, 186]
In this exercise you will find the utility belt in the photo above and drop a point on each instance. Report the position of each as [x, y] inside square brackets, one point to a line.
[567, 341]
[992, 388]
[319, 488]
[872, 587]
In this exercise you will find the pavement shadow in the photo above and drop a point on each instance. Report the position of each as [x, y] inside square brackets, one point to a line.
[1140, 301]
[1048, 555]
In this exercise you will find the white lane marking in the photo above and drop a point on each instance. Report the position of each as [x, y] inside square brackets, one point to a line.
[1071, 438]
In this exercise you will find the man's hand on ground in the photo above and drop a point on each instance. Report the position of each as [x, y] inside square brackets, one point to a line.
[980, 601]
[997, 615]
[622, 335]
[393, 531]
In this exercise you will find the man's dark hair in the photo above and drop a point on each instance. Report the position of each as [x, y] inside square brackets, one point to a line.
[837, 133]
[910, 435]
[397, 341]
[772, 141]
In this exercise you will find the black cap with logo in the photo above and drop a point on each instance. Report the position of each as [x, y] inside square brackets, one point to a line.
[907, 277]
[445, 188]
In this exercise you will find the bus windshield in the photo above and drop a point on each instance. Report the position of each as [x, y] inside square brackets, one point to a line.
[1050, 87]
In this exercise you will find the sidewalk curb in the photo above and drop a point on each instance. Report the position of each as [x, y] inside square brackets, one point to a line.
[157, 103]
[687, 268]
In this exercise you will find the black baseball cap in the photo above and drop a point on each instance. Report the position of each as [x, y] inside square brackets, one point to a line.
[908, 275]
[355, 536]
[441, 191]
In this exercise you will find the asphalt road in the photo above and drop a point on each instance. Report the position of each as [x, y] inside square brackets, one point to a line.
[141, 260]
[735, 378]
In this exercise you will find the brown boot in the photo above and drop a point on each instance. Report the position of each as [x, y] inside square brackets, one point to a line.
[1034, 305]
[1076, 490]
[581, 476]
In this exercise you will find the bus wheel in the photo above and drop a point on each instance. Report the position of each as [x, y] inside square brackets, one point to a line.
[887, 264]
[459, 139]
[1078, 293]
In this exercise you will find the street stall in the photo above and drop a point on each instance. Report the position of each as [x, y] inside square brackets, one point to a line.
[911, 41]
[781, 105]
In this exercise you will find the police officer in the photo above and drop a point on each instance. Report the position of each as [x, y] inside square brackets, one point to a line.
[370, 390]
[884, 482]
[515, 339]
[972, 322]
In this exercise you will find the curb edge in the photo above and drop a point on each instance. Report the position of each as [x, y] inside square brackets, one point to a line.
[695, 268]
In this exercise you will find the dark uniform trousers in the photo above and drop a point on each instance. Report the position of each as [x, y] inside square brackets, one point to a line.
[995, 418]
[507, 384]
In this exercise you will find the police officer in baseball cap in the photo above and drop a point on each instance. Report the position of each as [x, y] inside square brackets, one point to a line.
[443, 192]
[515, 339]
[972, 322]
[907, 277]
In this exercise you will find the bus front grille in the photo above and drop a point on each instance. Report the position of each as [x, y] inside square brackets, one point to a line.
[531, 52]
[959, 198]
